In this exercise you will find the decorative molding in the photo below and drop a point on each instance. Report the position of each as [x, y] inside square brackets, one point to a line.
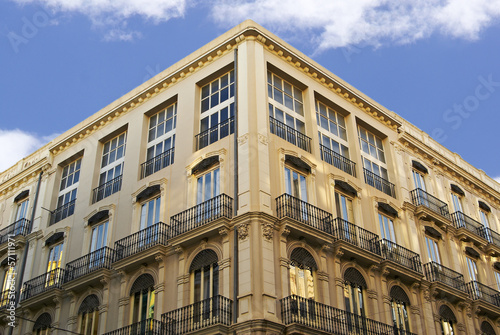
[178, 249]
[183, 279]
[415, 310]
[285, 232]
[124, 301]
[427, 295]
[72, 320]
[242, 229]
[461, 327]
[243, 139]
[285, 262]
[323, 276]
[103, 308]
[267, 231]
[340, 282]
[223, 231]
[160, 287]
[263, 139]
[339, 253]
[437, 317]
[372, 294]
[224, 263]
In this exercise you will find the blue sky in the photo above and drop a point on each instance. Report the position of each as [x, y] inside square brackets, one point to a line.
[435, 63]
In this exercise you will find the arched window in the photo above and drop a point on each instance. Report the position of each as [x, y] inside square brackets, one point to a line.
[143, 298]
[42, 324]
[204, 273]
[487, 328]
[400, 303]
[302, 268]
[448, 319]
[355, 285]
[88, 313]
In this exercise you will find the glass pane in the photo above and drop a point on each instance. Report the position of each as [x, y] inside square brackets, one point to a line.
[287, 88]
[278, 96]
[288, 101]
[205, 91]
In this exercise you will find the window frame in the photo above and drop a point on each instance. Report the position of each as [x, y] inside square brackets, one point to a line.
[288, 184]
[456, 199]
[112, 166]
[387, 222]
[215, 184]
[156, 202]
[293, 113]
[342, 143]
[419, 180]
[368, 157]
[472, 265]
[432, 249]
[165, 136]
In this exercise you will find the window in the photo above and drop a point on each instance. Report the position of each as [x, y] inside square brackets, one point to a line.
[22, 210]
[8, 283]
[110, 178]
[295, 184]
[472, 269]
[386, 228]
[161, 140]
[67, 191]
[150, 213]
[204, 275]
[88, 314]
[399, 307]
[355, 285]
[432, 250]
[55, 257]
[497, 279]
[483, 215]
[208, 186]
[373, 158]
[286, 111]
[302, 267]
[42, 324]
[457, 203]
[99, 236]
[448, 319]
[142, 301]
[418, 180]
[217, 110]
[345, 216]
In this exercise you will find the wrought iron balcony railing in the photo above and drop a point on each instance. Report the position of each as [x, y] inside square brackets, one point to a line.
[379, 183]
[202, 314]
[478, 291]
[346, 231]
[294, 208]
[106, 189]
[337, 160]
[421, 198]
[144, 327]
[157, 163]
[20, 227]
[144, 239]
[62, 212]
[492, 236]
[99, 259]
[436, 272]
[307, 312]
[199, 215]
[460, 220]
[398, 254]
[43, 283]
[215, 133]
[291, 135]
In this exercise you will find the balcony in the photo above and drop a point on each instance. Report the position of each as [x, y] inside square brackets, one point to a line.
[203, 314]
[144, 239]
[220, 206]
[105, 190]
[400, 255]
[379, 183]
[435, 272]
[46, 282]
[96, 260]
[311, 314]
[337, 160]
[301, 211]
[148, 326]
[62, 212]
[215, 133]
[478, 291]
[460, 220]
[157, 163]
[20, 227]
[289, 134]
[345, 231]
[493, 238]
[421, 198]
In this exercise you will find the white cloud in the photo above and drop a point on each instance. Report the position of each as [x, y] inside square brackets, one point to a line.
[326, 23]
[17, 144]
[497, 179]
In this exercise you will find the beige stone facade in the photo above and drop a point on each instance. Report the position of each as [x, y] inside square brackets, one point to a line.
[126, 223]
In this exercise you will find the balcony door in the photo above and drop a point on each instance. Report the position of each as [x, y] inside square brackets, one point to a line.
[204, 272]
[143, 302]
[295, 184]
[418, 180]
[345, 213]
[55, 257]
[208, 186]
[99, 241]
[354, 288]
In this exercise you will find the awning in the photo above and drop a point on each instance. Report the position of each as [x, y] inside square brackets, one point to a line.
[148, 192]
[483, 206]
[22, 195]
[298, 162]
[204, 164]
[54, 238]
[388, 209]
[419, 166]
[346, 188]
[457, 190]
[98, 217]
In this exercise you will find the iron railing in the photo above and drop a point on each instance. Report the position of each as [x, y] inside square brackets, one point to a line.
[20, 227]
[157, 163]
[379, 183]
[144, 239]
[398, 254]
[349, 232]
[99, 259]
[478, 291]
[202, 314]
[106, 189]
[144, 327]
[307, 312]
[215, 133]
[421, 198]
[337, 160]
[199, 215]
[436, 272]
[62, 212]
[294, 208]
[43, 283]
[492, 236]
[291, 135]
[460, 220]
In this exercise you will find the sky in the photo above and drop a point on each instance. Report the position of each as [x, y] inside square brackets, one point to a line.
[434, 62]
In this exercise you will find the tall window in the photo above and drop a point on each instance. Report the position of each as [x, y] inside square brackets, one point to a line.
[295, 184]
[386, 228]
[8, 283]
[161, 139]
[483, 216]
[399, 304]
[355, 285]
[208, 186]
[150, 212]
[67, 191]
[88, 315]
[217, 110]
[344, 207]
[204, 273]
[42, 324]
[143, 300]
[472, 269]
[418, 180]
[99, 236]
[373, 157]
[497, 279]
[54, 276]
[302, 268]
[286, 111]
[110, 178]
[457, 202]
[448, 319]
[432, 250]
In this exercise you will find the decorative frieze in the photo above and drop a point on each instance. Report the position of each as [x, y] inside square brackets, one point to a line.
[267, 230]
[242, 229]
[183, 279]
[224, 263]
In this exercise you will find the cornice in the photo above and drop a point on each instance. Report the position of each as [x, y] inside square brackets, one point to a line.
[24, 173]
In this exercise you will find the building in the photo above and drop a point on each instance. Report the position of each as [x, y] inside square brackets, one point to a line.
[342, 218]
